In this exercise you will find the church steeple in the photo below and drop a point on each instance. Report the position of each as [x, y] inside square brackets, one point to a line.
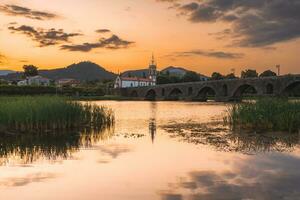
[152, 69]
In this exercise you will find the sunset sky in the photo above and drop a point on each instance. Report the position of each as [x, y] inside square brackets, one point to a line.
[201, 35]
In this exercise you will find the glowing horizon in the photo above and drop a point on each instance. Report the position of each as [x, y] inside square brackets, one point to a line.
[203, 36]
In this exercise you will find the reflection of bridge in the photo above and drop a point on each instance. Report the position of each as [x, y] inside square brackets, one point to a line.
[221, 90]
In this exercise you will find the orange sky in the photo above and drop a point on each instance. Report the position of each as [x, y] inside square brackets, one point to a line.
[152, 27]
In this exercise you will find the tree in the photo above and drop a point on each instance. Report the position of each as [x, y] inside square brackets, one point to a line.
[216, 76]
[30, 70]
[267, 73]
[163, 78]
[230, 76]
[190, 77]
[144, 75]
[249, 73]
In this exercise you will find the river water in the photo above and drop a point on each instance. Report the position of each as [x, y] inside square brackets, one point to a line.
[155, 151]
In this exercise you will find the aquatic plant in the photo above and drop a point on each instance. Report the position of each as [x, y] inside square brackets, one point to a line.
[49, 113]
[266, 114]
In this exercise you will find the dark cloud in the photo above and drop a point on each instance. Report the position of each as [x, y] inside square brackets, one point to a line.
[103, 31]
[42, 36]
[15, 10]
[255, 23]
[170, 196]
[212, 53]
[112, 42]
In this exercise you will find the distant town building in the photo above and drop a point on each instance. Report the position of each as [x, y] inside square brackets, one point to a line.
[127, 82]
[67, 82]
[203, 77]
[35, 80]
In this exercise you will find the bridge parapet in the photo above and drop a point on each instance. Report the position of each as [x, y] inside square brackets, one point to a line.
[220, 90]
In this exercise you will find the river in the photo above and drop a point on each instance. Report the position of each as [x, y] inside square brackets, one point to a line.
[155, 151]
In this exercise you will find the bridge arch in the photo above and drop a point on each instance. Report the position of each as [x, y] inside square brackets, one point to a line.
[242, 90]
[190, 91]
[225, 90]
[150, 95]
[134, 93]
[175, 94]
[269, 88]
[289, 89]
[163, 92]
[204, 93]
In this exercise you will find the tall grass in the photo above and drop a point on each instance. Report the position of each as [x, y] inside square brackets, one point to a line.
[48, 113]
[267, 114]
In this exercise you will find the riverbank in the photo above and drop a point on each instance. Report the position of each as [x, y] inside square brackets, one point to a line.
[266, 114]
[23, 114]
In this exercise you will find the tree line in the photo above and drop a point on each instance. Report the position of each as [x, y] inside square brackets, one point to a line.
[190, 76]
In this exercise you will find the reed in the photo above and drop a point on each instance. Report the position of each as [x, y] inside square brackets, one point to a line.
[50, 113]
[266, 114]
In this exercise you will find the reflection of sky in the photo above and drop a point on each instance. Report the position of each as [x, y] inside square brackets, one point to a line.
[268, 177]
[131, 168]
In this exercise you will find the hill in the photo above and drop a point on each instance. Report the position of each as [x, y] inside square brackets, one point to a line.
[136, 73]
[83, 71]
[5, 72]
[177, 71]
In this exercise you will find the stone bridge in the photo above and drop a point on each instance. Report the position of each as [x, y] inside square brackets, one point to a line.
[220, 90]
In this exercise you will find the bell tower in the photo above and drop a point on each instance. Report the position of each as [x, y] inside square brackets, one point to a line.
[152, 70]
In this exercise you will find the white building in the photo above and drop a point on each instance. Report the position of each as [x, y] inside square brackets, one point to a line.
[35, 80]
[127, 82]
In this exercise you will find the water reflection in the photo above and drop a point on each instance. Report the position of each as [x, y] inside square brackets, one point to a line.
[30, 178]
[23, 149]
[268, 177]
[152, 121]
[219, 136]
[152, 129]
[110, 152]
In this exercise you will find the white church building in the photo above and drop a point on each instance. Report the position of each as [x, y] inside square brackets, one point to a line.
[127, 82]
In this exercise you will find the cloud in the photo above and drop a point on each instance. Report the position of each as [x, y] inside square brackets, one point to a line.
[112, 42]
[15, 10]
[211, 53]
[45, 37]
[2, 58]
[170, 196]
[255, 23]
[102, 31]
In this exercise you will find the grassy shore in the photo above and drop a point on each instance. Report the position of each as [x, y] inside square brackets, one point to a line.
[103, 98]
[49, 113]
[267, 114]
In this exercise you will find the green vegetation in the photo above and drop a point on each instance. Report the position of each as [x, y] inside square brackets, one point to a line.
[166, 78]
[51, 90]
[30, 70]
[265, 115]
[50, 113]
[248, 73]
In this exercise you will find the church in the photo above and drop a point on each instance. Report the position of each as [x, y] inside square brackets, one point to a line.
[127, 82]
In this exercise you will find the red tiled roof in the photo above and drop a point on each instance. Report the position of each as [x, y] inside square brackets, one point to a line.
[135, 79]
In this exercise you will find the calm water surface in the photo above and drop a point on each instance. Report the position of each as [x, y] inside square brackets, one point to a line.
[156, 151]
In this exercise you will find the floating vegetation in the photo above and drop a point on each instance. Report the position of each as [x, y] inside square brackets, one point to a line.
[266, 114]
[219, 136]
[50, 113]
